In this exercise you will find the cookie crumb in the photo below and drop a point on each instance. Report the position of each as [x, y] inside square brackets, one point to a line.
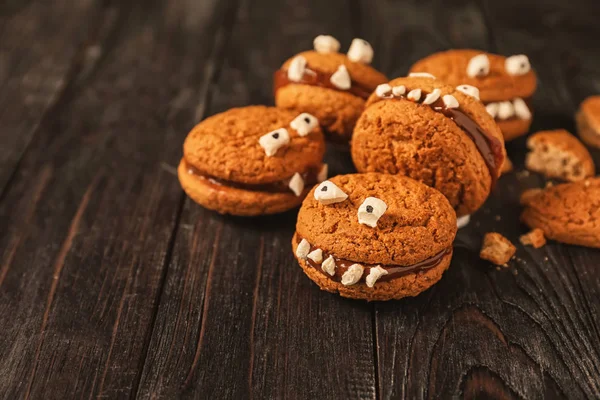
[497, 249]
[534, 238]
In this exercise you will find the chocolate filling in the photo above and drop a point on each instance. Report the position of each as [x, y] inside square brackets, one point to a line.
[316, 78]
[309, 177]
[393, 271]
[488, 146]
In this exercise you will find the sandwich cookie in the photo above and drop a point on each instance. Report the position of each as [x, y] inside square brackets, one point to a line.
[506, 84]
[588, 121]
[432, 132]
[374, 236]
[253, 160]
[329, 85]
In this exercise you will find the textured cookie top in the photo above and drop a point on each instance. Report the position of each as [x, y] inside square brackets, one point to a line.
[362, 74]
[226, 146]
[451, 67]
[591, 110]
[469, 105]
[418, 223]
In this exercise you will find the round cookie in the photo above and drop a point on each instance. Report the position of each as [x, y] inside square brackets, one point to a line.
[505, 85]
[330, 85]
[588, 121]
[568, 213]
[398, 231]
[252, 160]
[456, 148]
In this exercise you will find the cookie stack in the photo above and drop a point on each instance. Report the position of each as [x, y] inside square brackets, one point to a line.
[428, 147]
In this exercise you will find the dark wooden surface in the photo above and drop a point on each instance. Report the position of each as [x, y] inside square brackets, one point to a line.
[114, 285]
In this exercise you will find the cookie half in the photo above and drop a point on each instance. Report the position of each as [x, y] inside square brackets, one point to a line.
[568, 213]
[376, 237]
[506, 84]
[330, 85]
[252, 160]
[432, 132]
[588, 121]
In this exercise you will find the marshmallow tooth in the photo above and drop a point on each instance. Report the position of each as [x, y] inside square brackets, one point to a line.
[352, 275]
[316, 256]
[360, 51]
[375, 273]
[463, 221]
[296, 69]
[383, 90]
[450, 101]
[341, 78]
[478, 66]
[296, 184]
[303, 249]
[329, 193]
[326, 44]
[304, 123]
[469, 90]
[370, 211]
[492, 109]
[421, 75]
[329, 265]
[506, 110]
[432, 97]
[521, 108]
[414, 95]
[274, 140]
[399, 90]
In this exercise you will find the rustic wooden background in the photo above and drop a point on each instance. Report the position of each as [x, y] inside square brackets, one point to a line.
[114, 285]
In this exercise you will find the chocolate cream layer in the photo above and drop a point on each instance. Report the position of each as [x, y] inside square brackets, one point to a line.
[488, 146]
[282, 186]
[315, 78]
[393, 271]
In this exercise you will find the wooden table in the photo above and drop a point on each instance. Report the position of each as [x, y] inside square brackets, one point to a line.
[113, 284]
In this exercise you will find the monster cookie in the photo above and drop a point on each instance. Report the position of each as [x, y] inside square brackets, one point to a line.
[253, 160]
[588, 121]
[434, 133]
[506, 84]
[568, 213]
[558, 154]
[329, 85]
[374, 236]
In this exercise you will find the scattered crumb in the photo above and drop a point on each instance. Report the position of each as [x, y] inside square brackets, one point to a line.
[549, 184]
[507, 166]
[496, 248]
[545, 258]
[497, 218]
[534, 238]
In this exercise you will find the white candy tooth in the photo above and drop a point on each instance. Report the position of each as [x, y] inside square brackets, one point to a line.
[432, 97]
[414, 95]
[450, 101]
[303, 249]
[374, 275]
[352, 275]
[517, 65]
[360, 51]
[469, 90]
[492, 109]
[463, 221]
[326, 44]
[296, 69]
[329, 265]
[505, 110]
[316, 256]
[383, 90]
[322, 175]
[274, 140]
[521, 108]
[304, 123]
[370, 211]
[421, 75]
[478, 66]
[329, 193]
[398, 90]
[297, 184]
[341, 78]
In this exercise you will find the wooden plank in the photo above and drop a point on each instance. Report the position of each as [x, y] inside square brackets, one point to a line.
[88, 220]
[481, 332]
[248, 322]
[43, 45]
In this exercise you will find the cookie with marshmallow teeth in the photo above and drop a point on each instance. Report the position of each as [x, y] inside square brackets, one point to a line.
[253, 160]
[361, 245]
[331, 82]
[504, 84]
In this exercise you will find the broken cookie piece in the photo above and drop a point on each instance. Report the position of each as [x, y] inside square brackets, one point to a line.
[534, 238]
[497, 249]
[558, 154]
